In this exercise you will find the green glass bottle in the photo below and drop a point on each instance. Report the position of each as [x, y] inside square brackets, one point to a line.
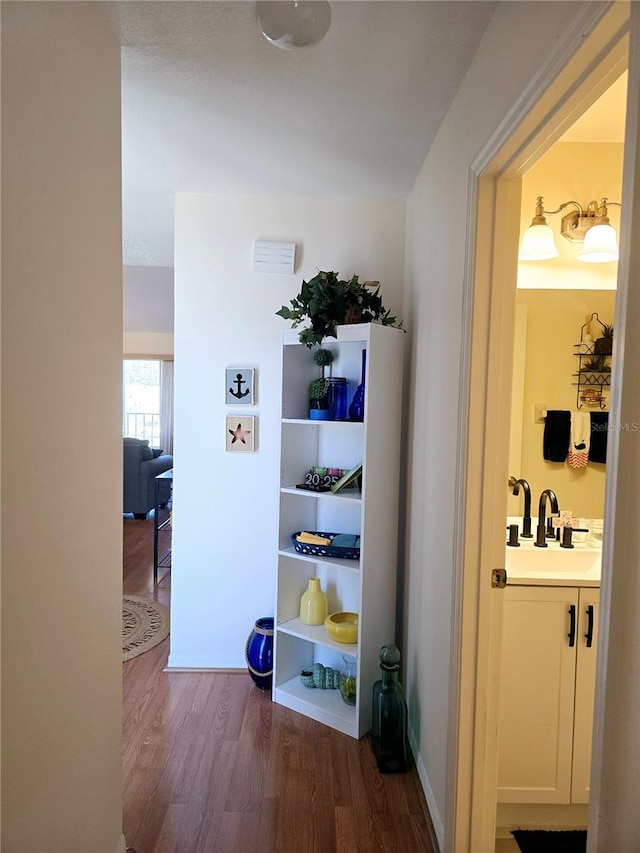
[389, 727]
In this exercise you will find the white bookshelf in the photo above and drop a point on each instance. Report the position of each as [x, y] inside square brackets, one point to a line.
[368, 585]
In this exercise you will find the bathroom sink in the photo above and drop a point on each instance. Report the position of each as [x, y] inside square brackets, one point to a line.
[553, 565]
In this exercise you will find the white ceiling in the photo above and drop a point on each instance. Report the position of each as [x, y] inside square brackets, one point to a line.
[208, 105]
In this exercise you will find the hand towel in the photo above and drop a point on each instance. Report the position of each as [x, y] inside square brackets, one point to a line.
[578, 455]
[599, 433]
[557, 434]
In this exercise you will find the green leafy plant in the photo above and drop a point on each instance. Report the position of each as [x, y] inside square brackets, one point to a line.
[323, 358]
[326, 301]
[604, 344]
[318, 389]
[596, 364]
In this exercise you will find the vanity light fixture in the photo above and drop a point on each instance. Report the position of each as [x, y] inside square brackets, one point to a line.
[589, 226]
[293, 24]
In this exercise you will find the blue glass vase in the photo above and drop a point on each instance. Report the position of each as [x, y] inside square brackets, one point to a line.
[258, 653]
[356, 409]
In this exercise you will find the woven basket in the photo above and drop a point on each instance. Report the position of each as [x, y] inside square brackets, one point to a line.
[354, 314]
[324, 550]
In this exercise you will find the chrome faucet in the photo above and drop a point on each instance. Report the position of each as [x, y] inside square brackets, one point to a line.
[541, 533]
[526, 518]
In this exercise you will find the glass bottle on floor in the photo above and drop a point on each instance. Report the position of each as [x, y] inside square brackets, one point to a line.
[389, 726]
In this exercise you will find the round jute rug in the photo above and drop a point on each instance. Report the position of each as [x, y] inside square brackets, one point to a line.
[145, 623]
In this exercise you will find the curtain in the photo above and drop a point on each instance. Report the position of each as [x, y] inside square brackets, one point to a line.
[166, 407]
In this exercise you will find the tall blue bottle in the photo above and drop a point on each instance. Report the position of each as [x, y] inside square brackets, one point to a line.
[389, 726]
[356, 409]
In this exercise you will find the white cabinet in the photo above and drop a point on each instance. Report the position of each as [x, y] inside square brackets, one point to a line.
[547, 683]
[366, 586]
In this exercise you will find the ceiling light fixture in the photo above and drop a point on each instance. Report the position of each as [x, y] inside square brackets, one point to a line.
[589, 226]
[293, 24]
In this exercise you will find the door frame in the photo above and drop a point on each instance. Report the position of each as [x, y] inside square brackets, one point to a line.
[591, 56]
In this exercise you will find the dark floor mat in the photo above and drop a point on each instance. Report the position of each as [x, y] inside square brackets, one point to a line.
[540, 841]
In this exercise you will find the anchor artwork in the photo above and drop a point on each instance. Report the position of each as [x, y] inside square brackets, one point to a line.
[239, 386]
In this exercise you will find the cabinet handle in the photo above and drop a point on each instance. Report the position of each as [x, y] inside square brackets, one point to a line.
[589, 635]
[572, 625]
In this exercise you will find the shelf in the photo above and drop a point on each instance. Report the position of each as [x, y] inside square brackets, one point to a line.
[309, 422]
[350, 565]
[317, 634]
[353, 497]
[326, 706]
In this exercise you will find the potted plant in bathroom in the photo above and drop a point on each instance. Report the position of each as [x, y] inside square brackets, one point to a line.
[326, 301]
[604, 344]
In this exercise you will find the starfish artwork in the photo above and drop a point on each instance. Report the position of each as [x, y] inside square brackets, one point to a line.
[239, 434]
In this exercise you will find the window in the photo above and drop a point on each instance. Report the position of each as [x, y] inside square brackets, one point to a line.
[141, 390]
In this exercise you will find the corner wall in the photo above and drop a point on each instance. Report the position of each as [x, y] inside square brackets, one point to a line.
[61, 436]
[520, 36]
[225, 532]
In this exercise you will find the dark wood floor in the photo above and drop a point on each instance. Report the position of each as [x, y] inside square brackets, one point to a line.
[211, 764]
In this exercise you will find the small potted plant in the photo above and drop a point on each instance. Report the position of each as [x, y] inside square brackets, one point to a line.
[319, 404]
[326, 301]
[604, 344]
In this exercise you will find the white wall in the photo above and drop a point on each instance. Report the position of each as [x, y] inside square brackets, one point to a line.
[61, 441]
[226, 505]
[148, 299]
[517, 41]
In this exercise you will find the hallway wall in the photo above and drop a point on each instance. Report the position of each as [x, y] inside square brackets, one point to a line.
[61, 557]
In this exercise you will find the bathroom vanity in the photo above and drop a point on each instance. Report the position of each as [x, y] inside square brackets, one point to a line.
[547, 681]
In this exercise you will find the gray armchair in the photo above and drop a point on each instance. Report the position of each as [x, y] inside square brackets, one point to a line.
[142, 464]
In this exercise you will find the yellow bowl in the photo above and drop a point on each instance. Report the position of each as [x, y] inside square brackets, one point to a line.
[342, 627]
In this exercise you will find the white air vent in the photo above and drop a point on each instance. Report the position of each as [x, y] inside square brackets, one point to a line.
[274, 257]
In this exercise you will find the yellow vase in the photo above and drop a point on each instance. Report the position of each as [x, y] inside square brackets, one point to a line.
[313, 604]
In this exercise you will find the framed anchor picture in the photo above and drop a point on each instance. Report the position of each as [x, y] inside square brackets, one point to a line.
[239, 385]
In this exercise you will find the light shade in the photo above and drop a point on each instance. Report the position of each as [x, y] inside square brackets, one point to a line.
[293, 24]
[600, 245]
[538, 244]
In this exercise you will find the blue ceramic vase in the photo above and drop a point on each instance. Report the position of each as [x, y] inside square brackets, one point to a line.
[258, 653]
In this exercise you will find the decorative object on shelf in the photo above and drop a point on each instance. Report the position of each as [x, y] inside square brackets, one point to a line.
[322, 545]
[342, 627]
[323, 677]
[321, 479]
[337, 398]
[389, 715]
[240, 433]
[348, 680]
[314, 608]
[258, 653]
[319, 409]
[348, 479]
[604, 344]
[325, 301]
[293, 24]
[356, 409]
[239, 386]
[319, 403]
[588, 225]
[594, 369]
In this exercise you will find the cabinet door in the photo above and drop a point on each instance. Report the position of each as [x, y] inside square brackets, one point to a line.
[536, 695]
[585, 690]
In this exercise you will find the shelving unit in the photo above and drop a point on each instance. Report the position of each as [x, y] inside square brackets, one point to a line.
[368, 585]
[591, 384]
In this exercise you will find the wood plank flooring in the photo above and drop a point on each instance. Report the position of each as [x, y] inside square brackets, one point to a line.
[211, 765]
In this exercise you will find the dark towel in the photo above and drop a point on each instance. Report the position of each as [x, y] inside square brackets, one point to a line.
[557, 435]
[599, 433]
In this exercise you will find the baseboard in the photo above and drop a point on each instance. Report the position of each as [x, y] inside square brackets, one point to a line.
[539, 816]
[188, 662]
[226, 669]
[121, 846]
[436, 820]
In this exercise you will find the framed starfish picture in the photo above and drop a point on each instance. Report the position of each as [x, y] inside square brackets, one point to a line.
[240, 433]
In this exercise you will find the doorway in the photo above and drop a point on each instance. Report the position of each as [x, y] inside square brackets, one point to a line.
[562, 306]
[601, 60]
